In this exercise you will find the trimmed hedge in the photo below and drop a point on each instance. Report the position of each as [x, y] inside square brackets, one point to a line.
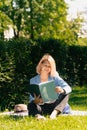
[19, 58]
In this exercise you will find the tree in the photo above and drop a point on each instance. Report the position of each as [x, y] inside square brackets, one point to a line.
[43, 20]
[4, 19]
[13, 10]
[71, 30]
[39, 19]
[46, 18]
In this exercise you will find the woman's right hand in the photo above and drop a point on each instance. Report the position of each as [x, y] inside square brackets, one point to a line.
[37, 99]
[58, 89]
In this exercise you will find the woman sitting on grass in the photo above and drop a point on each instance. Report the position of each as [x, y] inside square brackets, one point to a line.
[46, 70]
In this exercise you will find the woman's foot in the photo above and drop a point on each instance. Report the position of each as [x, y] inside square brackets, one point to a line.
[53, 114]
[40, 117]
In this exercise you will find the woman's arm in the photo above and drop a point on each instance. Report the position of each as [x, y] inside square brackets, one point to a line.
[35, 99]
[62, 86]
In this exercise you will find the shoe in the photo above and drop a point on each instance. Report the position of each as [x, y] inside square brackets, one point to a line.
[53, 114]
[40, 117]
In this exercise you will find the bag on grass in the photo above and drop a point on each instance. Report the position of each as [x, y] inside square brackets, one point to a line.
[67, 109]
[20, 108]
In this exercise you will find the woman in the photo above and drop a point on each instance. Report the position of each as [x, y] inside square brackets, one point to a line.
[46, 71]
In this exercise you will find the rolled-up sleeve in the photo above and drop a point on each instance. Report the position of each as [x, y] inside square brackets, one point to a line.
[60, 82]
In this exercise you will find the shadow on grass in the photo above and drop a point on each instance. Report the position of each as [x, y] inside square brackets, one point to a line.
[17, 118]
[13, 117]
[79, 96]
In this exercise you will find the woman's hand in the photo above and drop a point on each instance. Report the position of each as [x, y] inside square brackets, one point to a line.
[37, 99]
[58, 89]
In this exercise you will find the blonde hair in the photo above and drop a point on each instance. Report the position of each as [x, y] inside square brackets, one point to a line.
[49, 58]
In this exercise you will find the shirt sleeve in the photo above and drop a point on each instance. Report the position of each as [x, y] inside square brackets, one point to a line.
[33, 80]
[31, 98]
[60, 82]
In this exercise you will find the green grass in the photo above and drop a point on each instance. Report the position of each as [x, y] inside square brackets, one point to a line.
[78, 98]
[29, 123]
[78, 101]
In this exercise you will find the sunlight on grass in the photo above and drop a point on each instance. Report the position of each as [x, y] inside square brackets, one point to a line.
[29, 123]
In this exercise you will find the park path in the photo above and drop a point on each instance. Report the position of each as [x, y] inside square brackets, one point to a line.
[73, 112]
[77, 112]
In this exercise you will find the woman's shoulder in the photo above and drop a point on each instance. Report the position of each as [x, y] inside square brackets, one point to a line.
[57, 77]
[35, 79]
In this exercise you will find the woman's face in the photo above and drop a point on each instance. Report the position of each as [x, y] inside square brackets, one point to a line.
[45, 67]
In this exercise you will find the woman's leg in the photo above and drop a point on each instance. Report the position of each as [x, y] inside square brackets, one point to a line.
[58, 105]
[34, 109]
[47, 108]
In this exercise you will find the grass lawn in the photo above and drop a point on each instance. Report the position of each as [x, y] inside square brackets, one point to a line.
[78, 98]
[78, 101]
[29, 123]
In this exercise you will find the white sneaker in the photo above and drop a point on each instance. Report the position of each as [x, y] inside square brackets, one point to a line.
[53, 114]
[40, 117]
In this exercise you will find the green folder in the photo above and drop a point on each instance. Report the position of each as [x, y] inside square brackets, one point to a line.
[46, 90]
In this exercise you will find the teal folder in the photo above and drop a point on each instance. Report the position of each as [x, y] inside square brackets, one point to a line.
[46, 90]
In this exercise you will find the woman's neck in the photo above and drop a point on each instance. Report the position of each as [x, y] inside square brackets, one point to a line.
[43, 78]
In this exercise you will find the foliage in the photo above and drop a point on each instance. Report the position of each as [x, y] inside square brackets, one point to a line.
[47, 18]
[4, 18]
[82, 41]
[13, 14]
[76, 64]
[4, 22]
[70, 33]
[14, 72]
[39, 19]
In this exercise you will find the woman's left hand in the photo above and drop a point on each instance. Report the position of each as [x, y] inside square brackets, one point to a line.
[58, 89]
[37, 99]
